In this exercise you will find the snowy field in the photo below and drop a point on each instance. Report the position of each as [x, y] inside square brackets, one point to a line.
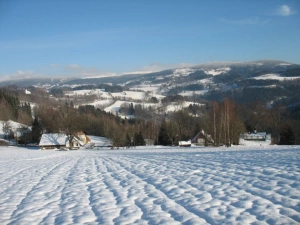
[274, 77]
[150, 186]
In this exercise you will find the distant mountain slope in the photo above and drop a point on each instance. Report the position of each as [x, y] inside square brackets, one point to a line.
[264, 80]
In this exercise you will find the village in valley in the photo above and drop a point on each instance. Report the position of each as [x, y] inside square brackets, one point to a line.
[131, 118]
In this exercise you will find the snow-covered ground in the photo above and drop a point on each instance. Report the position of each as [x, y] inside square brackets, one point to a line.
[176, 106]
[146, 88]
[101, 103]
[134, 95]
[115, 108]
[97, 92]
[191, 93]
[274, 77]
[218, 71]
[158, 185]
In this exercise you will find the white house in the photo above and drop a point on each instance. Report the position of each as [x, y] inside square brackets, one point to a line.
[61, 141]
[184, 143]
[255, 138]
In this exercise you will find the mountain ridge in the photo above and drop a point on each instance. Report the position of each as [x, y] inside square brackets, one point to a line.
[59, 80]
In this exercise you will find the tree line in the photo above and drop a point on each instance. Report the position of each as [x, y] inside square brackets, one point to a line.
[223, 120]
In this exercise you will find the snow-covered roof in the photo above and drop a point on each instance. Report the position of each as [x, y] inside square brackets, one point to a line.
[58, 139]
[53, 139]
[257, 135]
[184, 143]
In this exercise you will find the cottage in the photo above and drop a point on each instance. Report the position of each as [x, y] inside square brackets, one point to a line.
[61, 141]
[184, 143]
[203, 139]
[255, 138]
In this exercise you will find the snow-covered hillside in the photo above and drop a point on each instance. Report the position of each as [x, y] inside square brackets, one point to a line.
[274, 77]
[11, 126]
[129, 95]
[205, 82]
[151, 186]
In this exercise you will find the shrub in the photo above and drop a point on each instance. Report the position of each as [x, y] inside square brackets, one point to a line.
[3, 143]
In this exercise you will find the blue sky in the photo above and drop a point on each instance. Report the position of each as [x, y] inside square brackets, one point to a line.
[97, 37]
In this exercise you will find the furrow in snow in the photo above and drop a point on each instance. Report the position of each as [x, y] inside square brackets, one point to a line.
[40, 191]
[74, 199]
[178, 211]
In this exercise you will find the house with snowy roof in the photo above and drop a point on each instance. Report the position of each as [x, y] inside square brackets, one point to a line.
[61, 141]
[203, 139]
[184, 143]
[255, 138]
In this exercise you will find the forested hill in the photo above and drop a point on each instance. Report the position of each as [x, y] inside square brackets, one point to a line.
[167, 106]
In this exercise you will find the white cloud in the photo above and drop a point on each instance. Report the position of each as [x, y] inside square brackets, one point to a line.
[284, 10]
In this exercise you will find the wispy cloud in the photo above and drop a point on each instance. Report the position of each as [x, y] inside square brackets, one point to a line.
[73, 66]
[75, 70]
[247, 21]
[284, 10]
[78, 71]
[58, 71]
[158, 67]
[21, 74]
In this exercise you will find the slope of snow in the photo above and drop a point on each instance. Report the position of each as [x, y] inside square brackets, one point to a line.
[182, 72]
[146, 88]
[97, 92]
[101, 103]
[272, 76]
[14, 126]
[175, 106]
[100, 141]
[151, 186]
[115, 108]
[191, 93]
[219, 71]
[134, 95]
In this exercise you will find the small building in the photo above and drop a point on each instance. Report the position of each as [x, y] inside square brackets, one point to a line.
[61, 141]
[255, 138]
[203, 139]
[184, 143]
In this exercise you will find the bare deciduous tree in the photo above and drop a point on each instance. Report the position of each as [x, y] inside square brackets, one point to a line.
[6, 127]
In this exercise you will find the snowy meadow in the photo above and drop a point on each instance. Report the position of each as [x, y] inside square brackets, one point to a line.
[237, 185]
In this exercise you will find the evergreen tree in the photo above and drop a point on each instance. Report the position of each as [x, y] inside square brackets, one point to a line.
[37, 130]
[128, 140]
[72, 104]
[131, 109]
[163, 137]
[139, 139]
[287, 136]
